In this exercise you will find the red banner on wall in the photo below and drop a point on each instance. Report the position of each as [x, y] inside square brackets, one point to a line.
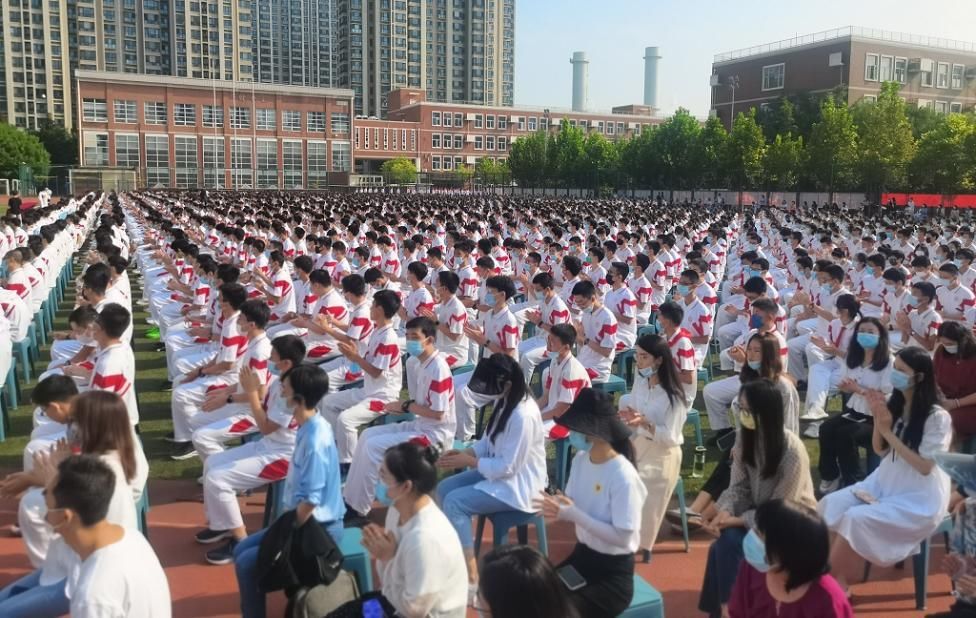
[931, 200]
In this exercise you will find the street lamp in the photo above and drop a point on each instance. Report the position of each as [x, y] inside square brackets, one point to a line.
[733, 84]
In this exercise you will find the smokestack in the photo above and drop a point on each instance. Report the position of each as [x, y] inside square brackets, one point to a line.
[580, 86]
[651, 58]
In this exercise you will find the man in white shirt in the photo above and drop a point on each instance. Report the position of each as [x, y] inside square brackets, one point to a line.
[450, 316]
[596, 332]
[622, 304]
[552, 310]
[562, 381]
[119, 574]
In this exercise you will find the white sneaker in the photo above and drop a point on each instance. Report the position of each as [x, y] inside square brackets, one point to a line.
[812, 431]
[827, 487]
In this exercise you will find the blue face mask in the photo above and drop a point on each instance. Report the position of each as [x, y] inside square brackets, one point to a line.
[868, 340]
[755, 365]
[683, 290]
[827, 288]
[552, 354]
[911, 301]
[578, 441]
[273, 369]
[490, 299]
[749, 273]
[414, 347]
[755, 321]
[755, 551]
[646, 372]
[900, 380]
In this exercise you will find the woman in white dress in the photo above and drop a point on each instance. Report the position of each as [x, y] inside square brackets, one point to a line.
[883, 518]
[656, 410]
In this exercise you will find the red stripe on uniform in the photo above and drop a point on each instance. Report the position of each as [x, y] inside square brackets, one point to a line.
[275, 471]
[241, 426]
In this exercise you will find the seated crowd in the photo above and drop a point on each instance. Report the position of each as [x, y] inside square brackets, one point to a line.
[422, 354]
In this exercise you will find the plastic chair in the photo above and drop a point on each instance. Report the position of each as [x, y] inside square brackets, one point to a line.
[142, 511]
[539, 369]
[920, 564]
[614, 384]
[647, 602]
[563, 459]
[40, 322]
[624, 363]
[355, 558]
[11, 386]
[679, 492]
[24, 350]
[274, 502]
[504, 521]
[694, 418]
[460, 369]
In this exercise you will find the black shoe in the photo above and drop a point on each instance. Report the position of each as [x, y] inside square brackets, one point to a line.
[167, 387]
[223, 554]
[183, 450]
[646, 556]
[713, 439]
[171, 437]
[207, 535]
[160, 347]
[352, 518]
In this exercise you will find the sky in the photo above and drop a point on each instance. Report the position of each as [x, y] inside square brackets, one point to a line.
[689, 33]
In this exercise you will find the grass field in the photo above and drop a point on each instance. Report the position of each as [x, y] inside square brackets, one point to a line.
[155, 419]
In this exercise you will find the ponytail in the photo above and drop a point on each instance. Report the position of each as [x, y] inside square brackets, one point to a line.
[626, 448]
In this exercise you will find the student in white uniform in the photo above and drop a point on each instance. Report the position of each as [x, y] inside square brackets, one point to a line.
[596, 332]
[119, 574]
[552, 310]
[506, 467]
[451, 317]
[430, 399]
[656, 409]
[604, 498]
[418, 557]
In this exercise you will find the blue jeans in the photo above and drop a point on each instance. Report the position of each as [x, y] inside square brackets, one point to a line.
[27, 598]
[460, 501]
[246, 566]
[724, 556]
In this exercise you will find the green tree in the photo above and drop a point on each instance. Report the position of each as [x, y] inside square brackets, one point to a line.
[923, 120]
[885, 141]
[17, 147]
[399, 171]
[674, 146]
[600, 157]
[710, 150]
[568, 159]
[491, 172]
[832, 149]
[60, 143]
[942, 162]
[527, 159]
[777, 119]
[783, 161]
[744, 152]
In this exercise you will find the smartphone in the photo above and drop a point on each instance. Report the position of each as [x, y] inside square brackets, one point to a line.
[571, 577]
[864, 496]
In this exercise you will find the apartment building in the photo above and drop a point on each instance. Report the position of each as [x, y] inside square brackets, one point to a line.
[932, 72]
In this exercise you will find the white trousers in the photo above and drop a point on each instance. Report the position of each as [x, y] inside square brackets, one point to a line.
[186, 402]
[531, 352]
[349, 410]
[824, 378]
[718, 396]
[211, 438]
[241, 468]
[364, 473]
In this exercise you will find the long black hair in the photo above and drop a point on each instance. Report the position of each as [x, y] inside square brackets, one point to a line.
[766, 406]
[961, 335]
[519, 582]
[924, 398]
[667, 373]
[855, 351]
[511, 373]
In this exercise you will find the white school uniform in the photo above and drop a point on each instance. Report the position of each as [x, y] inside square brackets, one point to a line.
[599, 326]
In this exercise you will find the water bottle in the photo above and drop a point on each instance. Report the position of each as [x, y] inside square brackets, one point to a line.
[372, 608]
[698, 465]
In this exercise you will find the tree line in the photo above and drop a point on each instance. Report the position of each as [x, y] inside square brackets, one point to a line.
[799, 142]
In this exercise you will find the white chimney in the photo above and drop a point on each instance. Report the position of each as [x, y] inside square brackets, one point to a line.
[580, 86]
[651, 58]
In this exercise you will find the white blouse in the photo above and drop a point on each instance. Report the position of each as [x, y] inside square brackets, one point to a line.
[666, 416]
[870, 379]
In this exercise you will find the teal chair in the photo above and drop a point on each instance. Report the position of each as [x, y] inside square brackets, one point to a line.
[11, 387]
[679, 492]
[504, 521]
[142, 511]
[647, 602]
[614, 384]
[694, 418]
[624, 365]
[563, 458]
[25, 350]
[355, 558]
[920, 564]
[40, 323]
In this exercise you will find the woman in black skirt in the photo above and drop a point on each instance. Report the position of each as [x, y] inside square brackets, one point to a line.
[604, 498]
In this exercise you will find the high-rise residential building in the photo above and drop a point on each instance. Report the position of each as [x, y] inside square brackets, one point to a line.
[294, 42]
[459, 51]
[213, 40]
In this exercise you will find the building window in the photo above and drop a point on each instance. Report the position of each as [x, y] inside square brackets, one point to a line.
[458, 141]
[316, 122]
[125, 112]
[941, 107]
[942, 75]
[264, 119]
[478, 121]
[521, 123]
[503, 123]
[870, 68]
[447, 119]
[95, 110]
[533, 123]
[340, 122]
[489, 122]
[435, 164]
[435, 119]
[927, 75]
[870, 98]
[955, 108]
[240, 118]
[213, 162]
[96, 148]
[341, 157]
[924, 103]
[318, 165]
[267, 164]
[126, 150]
[502, 143]
[958, 71]
[479, 142]
[241, 173]
[435, 140]
[448, 163]
[154, 112]
[291, 121]
[157, 160]
[901, 70]
[185, 115]
[490, 142]
[887, 68]
[773, 76]
[213, 116]
[186, 162]
[458, 120]
[291, 164]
